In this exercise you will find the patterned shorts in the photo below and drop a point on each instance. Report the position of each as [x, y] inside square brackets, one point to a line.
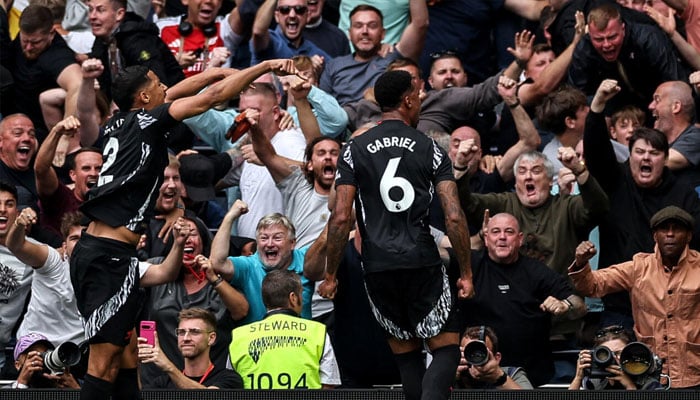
[105, 277]
[412, 303]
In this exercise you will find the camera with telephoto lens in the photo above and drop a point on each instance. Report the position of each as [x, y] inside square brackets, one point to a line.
[637, 359]
[601, 358]
[476, 353]
[65, 355]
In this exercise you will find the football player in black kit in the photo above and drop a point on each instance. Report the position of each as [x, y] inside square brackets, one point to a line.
[391, 172]
[104, 265]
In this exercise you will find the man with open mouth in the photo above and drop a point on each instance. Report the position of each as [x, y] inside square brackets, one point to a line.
[55, 197]
[287, 40]
[637, 189]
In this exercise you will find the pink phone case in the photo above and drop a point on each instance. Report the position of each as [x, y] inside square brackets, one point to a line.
[147, 328]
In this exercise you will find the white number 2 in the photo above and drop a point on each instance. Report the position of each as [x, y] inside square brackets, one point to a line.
[111, 149]
[390, 181]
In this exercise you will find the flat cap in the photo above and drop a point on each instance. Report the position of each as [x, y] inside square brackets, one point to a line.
[672, 213]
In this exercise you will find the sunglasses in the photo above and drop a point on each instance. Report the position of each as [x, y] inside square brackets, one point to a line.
[443, 53]
[299, 10]
[615, 329]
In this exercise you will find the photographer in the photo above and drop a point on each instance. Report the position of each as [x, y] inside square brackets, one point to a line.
[33, 373]
[479, 369]
[604, 374]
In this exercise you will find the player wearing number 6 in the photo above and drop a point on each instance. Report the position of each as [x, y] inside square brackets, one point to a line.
[392, 172]
[104, 264]
[283, 351]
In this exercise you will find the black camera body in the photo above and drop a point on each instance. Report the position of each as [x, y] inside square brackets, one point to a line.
[601, 358]
[57, 360]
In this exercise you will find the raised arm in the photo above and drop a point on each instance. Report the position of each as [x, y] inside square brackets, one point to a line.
[87, 111]
[194, 84]
[413, 38]
[528, 137]
[167, 271]
[600, 156]
[554, 73]
[46, 179]
[232, 85]
[521, 54]
[667, 23]
[69, 80]
[278, 166]
[29, 253]
[235, 302]
[307, 120]
[220, 261]
[261, 26]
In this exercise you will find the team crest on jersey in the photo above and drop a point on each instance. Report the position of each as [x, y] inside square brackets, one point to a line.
[145, 120]
[144, 55]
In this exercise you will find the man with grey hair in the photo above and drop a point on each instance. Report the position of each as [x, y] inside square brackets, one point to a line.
[553, 225]
[275, 236]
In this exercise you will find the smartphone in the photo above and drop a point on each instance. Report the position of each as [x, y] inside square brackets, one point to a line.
[147, 330]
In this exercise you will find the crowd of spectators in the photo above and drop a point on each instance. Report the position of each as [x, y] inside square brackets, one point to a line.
[567, 128]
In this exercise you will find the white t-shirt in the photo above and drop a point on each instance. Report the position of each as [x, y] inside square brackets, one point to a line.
[258, 189]
[53, 309]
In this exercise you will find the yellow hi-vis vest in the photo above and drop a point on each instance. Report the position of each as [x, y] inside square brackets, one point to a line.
[280, 352]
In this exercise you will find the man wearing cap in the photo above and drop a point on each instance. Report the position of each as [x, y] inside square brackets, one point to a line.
[29, 361]
[663, 287]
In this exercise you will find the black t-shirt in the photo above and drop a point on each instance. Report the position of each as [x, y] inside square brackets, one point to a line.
[395, 169]
[134, 157]
[219, 376]
[508, 299]
[35, 76]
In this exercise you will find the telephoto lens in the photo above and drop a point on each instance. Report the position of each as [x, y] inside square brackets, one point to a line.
[65, 355]
[476, 353]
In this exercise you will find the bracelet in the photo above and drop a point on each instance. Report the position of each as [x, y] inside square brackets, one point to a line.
[217, 282]
[517, 103]
[501, 380]
[569, 303]
[460, 169]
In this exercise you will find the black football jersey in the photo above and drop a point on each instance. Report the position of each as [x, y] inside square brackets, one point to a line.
[134, 157]
[395, 169]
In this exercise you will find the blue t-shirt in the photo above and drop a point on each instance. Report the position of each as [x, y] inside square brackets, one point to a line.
[248, 274]
[281, 47]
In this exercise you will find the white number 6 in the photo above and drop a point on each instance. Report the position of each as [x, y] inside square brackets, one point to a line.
[389, 181]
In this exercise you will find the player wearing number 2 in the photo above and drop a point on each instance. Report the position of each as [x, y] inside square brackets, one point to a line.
[104, 265]
[391, 172]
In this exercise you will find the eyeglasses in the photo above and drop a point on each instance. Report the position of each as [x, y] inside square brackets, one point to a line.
[444, 53]
[299, 10]
[615, 329]
[191, 332]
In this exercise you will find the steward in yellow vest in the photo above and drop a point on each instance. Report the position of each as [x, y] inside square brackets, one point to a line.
[283, 351]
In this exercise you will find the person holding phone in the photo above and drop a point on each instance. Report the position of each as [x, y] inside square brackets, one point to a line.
[196, 333]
